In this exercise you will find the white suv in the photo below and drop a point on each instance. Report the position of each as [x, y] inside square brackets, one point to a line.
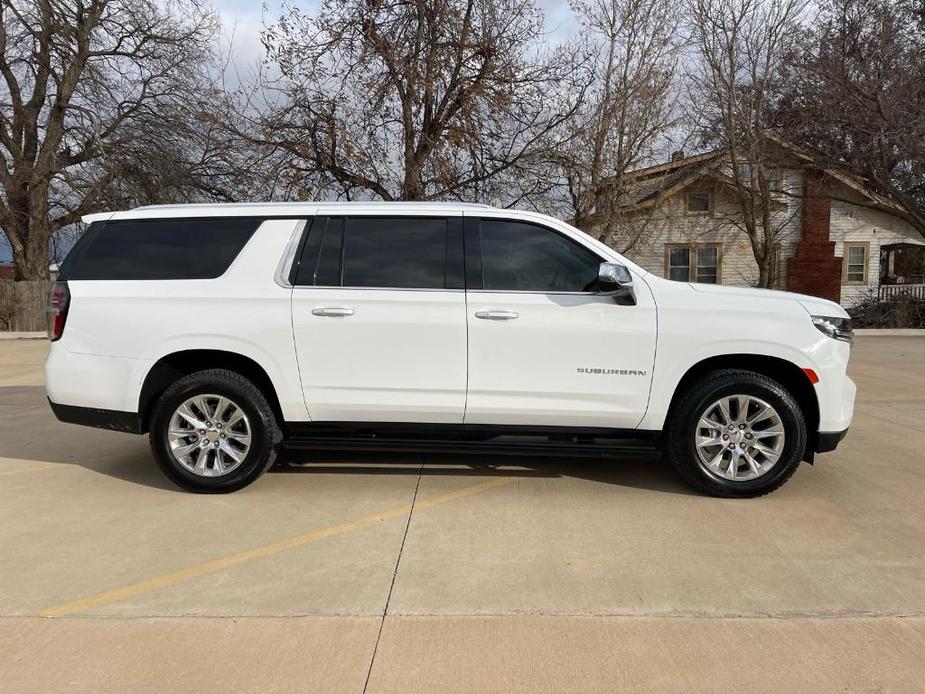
[227, 331]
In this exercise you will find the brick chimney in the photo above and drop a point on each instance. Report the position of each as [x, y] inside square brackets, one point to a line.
[814, 269]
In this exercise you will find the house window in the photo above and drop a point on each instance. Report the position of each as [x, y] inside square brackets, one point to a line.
[776, 181]
[699, 202]
[679, 264]
[744, 172]
[855, 263]
[774, 176]
[707, 264]
[697, 262]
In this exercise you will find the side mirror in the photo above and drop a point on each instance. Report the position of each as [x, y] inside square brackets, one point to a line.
[616, 280]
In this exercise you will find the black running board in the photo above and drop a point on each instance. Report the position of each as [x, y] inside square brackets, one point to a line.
[628, 449]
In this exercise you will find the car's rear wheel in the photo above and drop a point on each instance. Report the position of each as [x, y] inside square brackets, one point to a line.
[736, 434]
[213, 432]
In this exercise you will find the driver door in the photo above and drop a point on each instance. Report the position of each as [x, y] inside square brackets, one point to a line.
[544, 348]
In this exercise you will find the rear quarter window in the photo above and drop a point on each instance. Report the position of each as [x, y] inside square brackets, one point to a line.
[160, 249]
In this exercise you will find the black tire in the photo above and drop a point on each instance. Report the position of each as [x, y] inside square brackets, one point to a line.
[264, 430]
[680, 446]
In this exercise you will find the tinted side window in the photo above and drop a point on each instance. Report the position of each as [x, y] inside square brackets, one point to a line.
[397, 252]
[77, 250]
[517, 256]
[161, 249]
[330, 254]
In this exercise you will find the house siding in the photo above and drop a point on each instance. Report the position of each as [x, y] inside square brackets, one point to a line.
[670, 224]
[854, 223]
[646, 236]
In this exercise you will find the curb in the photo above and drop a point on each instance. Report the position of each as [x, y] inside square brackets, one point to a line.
[896, 332]
[23, 335]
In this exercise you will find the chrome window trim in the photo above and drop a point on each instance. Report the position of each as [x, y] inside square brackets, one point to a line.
[281, 277]
[379, 289]
[534, 291]
[444, 289]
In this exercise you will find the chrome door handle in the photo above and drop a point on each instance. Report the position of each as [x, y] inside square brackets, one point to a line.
[332, 312]
[497, 315]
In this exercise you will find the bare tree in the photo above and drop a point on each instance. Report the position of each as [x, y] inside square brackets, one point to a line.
[741, 46]
[625, 119]
[84, 85]
[853, 93]
[412, 100]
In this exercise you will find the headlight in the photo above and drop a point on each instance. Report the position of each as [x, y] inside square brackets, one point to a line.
[836, 328]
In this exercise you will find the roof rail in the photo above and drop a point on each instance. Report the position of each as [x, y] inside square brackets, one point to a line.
[431, 203]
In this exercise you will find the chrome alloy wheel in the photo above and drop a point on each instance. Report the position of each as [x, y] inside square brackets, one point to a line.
[209, 435]
[739, 438]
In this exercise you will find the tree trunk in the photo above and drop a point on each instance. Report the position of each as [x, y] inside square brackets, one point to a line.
[30, 259]
[763, 278]
[765, 274]
[411, 185]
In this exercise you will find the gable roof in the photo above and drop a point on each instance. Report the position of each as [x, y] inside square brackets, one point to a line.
[854, 183]
[677, 162]
[649, 186]
[653, 184]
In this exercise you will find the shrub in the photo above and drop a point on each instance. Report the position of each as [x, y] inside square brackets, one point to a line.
[898, 311]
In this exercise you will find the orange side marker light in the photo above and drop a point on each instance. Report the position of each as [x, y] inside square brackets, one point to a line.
[812, 376]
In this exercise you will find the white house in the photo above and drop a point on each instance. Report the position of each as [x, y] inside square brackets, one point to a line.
[835, 238]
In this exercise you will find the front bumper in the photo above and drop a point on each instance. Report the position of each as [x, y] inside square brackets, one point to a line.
[836, 393]
[828, 440]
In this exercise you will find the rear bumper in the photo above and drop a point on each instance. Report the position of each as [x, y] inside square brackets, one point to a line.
[114, 420]
[93, 381]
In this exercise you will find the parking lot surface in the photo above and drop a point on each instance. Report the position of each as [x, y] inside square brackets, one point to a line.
[391, 573]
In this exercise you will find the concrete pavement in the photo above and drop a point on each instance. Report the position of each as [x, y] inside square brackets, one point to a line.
[493, 574]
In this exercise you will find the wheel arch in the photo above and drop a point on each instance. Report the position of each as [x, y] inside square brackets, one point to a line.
[170, 367]
[788, 374]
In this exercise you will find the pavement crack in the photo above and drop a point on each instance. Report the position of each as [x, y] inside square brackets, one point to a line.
[401, 549]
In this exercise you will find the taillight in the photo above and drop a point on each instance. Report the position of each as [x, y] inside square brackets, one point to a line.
[58, 301]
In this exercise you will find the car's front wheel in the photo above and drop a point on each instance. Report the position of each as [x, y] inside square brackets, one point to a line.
[736, 434]
[213, 432]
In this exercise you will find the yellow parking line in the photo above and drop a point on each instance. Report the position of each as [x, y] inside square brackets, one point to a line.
[30, 469]
[214, 565]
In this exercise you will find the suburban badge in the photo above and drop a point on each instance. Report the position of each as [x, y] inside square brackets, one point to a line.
[613, 372]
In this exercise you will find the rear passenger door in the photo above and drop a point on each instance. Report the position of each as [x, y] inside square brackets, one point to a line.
[545, 349]
[379, 319]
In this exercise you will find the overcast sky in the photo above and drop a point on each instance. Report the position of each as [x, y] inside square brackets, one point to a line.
[242, 19]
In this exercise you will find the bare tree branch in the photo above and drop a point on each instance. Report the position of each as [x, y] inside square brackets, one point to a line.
[84, 86]
[741, 45]
[410, 100]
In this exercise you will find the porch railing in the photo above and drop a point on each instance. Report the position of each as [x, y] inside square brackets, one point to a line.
[889, 291]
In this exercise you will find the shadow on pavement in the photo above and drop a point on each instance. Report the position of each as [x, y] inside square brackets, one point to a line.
[648, 473]
[29, 431]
